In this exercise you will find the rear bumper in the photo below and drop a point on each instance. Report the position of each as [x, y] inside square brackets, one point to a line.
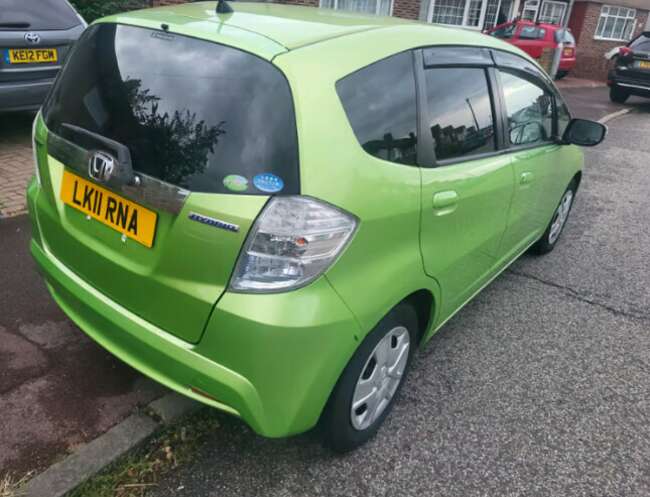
[567, 64]
[24, 95]
[270, 359]
[635, 85]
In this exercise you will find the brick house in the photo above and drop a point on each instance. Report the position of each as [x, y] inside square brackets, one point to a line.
[598, 25]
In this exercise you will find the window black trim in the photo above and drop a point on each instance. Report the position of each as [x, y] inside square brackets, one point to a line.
[426, 155]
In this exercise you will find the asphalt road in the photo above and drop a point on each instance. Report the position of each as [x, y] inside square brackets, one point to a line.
[539, 387]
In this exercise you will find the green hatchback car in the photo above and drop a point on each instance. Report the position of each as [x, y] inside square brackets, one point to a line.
[270, 207]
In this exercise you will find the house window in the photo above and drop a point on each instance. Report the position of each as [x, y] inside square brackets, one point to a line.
[378, 7]
[530, 10]
[552, 12]
[467, 13]
[497, 12]
[615, 23]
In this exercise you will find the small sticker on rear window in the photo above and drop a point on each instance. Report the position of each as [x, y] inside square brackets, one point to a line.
[268, 183]
[235, 183]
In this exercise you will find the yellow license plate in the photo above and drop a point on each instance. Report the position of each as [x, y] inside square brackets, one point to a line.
[644, 64]
[110, 209]
[32, 55]
[568, 52]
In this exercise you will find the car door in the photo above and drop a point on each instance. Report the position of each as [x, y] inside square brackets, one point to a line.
[466, 195]
[528, 116]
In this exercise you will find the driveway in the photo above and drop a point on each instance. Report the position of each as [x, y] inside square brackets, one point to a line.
[539, 387]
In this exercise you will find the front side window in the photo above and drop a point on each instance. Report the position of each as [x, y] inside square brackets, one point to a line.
[460, 111]
[615, 23]
[378, 7]
[191, 112]
[379, 101]
[532, 33]
[563, 115]
[529, 109]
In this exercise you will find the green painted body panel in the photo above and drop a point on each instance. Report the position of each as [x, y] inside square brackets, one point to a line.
[273, 359]
[187, 268]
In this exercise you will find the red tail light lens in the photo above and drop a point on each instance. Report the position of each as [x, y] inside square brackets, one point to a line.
[625, 52]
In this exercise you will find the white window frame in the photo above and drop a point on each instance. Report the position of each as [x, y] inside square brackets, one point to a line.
[336, 7]
[481, 19]
[605, 15]
[531, 5]
[554, 3]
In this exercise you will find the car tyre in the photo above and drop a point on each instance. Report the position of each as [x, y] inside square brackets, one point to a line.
[561, 74]
[379, 365]
[555, 227]
[618, 95]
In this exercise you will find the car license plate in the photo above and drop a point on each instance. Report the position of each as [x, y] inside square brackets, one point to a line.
[129, 218]
[31, 55]
[644, 64]
[568, 52]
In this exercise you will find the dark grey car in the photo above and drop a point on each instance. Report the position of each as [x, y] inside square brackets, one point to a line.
[35, 38]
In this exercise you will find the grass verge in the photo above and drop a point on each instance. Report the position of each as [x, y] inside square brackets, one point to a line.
[10, 486]
[138, 472]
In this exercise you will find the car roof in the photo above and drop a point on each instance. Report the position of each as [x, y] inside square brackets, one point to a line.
[269, 29]
[289, 26]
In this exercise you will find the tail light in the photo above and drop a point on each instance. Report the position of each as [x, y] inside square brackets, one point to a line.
[625, 52]
[293, 241]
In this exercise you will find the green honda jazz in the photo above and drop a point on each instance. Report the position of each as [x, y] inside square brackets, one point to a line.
[268, 208]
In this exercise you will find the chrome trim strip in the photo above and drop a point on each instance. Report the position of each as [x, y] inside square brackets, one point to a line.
[638, 87]
[150, 191]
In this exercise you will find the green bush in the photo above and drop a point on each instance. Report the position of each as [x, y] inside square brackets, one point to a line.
[94, 9]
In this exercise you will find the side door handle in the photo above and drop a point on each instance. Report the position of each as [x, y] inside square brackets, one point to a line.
[526, 178]
[445, 202]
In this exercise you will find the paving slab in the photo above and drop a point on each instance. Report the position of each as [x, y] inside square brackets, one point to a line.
[58, 389]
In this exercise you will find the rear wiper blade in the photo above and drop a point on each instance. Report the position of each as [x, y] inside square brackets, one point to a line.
[14, 25]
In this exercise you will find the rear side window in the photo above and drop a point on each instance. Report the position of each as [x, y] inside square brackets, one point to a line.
[37, 15]
[529, 109]
[199, 115]
[460, 109]
[379, 101]
[641, 44]
[532, 33]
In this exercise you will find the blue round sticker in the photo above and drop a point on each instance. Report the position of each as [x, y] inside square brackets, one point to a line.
[268, 182]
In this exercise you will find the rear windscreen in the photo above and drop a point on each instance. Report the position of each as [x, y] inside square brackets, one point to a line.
[641, 44]
[38, 15]
[564, 36]
[199, 115]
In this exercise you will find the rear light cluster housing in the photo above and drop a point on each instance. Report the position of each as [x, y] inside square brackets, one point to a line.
[294, 240]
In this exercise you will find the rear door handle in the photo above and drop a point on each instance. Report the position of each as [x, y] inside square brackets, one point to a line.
[526, 178]
[445, 202]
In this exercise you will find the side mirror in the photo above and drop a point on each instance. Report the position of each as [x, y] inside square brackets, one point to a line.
[584, 133]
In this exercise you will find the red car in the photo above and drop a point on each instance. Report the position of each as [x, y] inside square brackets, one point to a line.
[533, 38]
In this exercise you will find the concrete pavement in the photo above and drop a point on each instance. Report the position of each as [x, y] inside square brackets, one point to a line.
[58, 389]
[539, 387]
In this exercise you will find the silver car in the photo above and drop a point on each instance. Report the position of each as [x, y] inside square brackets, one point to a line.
[35, 38]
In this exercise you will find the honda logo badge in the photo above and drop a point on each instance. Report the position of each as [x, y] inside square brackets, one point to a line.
[101, 166]
[32, 38]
